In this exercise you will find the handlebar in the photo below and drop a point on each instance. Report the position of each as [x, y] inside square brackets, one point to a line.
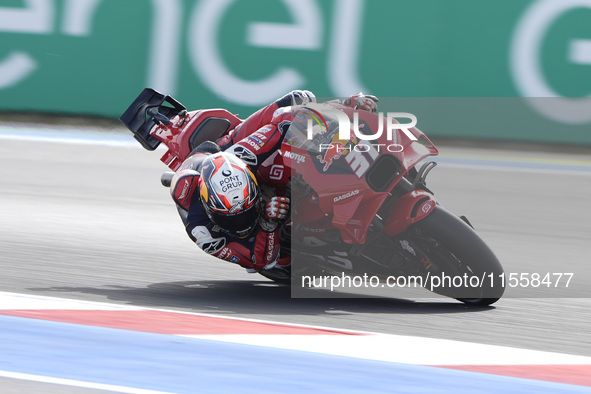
[158, 117]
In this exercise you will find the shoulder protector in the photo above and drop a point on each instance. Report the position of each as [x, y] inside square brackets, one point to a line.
[183, 186]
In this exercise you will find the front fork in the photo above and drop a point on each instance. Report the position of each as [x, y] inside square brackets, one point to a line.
[412, 202]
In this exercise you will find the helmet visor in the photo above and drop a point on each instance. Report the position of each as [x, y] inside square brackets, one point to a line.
[237, 224]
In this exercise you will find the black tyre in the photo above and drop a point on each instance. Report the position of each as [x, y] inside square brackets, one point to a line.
[454, 250]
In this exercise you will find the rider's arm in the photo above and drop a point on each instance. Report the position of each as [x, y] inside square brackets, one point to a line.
[265, 116]
[260, 145]
[254, 252]
[257, 251]
[264, 251]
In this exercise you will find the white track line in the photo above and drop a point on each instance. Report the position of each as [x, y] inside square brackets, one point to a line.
[77, 383]
[405, 349]
[374, 346]
[68, 135]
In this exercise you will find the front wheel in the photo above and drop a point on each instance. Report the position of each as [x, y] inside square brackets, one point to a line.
[455, 261]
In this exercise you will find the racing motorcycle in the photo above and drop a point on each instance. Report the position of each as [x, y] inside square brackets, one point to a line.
[358, 205]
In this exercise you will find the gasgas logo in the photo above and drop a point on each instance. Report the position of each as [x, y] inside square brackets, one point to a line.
[346, 195]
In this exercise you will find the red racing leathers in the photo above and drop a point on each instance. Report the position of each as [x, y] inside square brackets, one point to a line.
[253, 141]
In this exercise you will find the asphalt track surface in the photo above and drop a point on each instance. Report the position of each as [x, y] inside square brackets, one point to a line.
[91, 222]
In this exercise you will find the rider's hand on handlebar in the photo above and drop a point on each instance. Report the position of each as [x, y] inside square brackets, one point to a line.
[362, 101]
[277, 208]
[276, 211]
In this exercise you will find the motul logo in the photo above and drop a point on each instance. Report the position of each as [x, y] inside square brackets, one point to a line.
[294, 156]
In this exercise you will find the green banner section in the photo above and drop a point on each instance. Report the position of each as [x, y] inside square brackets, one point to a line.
[489, 118]
[92, 57]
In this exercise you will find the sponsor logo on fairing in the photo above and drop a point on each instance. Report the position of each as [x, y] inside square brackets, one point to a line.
[427, 206]
[346, 195]
[294, 156]
[276, 172]
[331, 154]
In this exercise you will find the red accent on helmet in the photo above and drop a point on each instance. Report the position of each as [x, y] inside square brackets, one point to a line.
[229, 193]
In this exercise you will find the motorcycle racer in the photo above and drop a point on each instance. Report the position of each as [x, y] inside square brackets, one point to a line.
[371, 213]
[219, 198]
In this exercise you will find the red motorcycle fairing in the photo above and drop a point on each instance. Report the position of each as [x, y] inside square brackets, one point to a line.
[343, 196]
[346, 191]
[275, 171]
[338, 195]
[186, 132]
[408, 209]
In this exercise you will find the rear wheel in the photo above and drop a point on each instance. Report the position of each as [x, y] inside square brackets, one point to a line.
[458, 263]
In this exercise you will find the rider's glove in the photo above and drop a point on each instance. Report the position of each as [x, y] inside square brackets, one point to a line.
[277, 208]
[275, 213]
[362, 101]
[301, 97]
[296, 97]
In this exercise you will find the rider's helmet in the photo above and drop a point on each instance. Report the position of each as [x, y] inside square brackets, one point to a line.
[229, 194]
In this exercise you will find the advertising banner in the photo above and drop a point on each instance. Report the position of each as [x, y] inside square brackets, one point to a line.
[91, 57]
